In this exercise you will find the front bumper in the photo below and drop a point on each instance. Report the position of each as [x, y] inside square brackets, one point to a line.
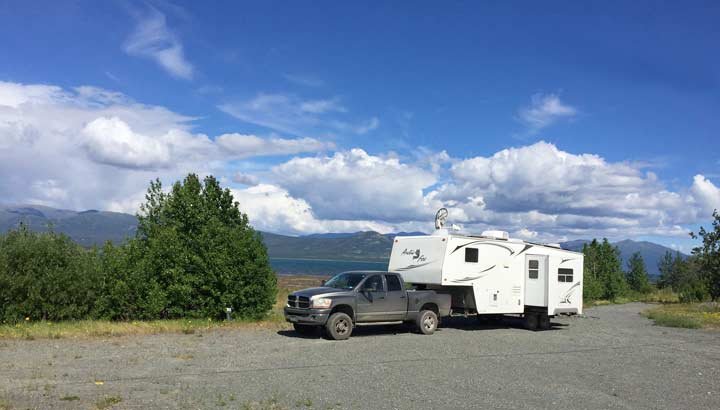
[306, 316]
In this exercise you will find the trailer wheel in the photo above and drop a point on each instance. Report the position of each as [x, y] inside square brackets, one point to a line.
[544, 322]
[304, 329]
[531, 321]
[427, 322]
[339, 326]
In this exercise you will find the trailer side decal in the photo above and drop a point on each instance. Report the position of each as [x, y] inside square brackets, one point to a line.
[566, 260]
[566, 297]
[483, 242]
[414, 266]
[469, 278]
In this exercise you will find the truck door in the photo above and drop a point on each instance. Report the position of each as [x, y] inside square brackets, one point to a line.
[372, 301]
[396, 298]
[536, 280]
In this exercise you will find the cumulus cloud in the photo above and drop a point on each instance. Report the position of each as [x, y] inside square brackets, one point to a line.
[544, 110]
[706, 193]
[242, 146]
[355, 185]
[245, 179]
[293, 115]
[543, 188]
[273, 209]
[152, 39]
[90, 148]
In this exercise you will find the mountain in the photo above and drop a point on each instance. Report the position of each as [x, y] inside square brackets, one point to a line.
[652, 253]
[86, 228]
[95, 227]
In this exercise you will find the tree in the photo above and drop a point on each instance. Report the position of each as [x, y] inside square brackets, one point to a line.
[637, 276]
[592, 286]
[603, 274]
[708, 255]
[194, 255]
[665, 266]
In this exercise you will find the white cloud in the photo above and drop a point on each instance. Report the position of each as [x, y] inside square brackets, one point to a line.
[153, 39]
[242, 146]
[356, 185]
[89, 148]
[544, 110]
[290, 114]
[273, 209]
[706, 193]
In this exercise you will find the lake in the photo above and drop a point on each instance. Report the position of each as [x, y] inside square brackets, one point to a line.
[322, 267]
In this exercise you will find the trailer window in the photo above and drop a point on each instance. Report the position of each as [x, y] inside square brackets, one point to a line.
[565, 275]
[393, 283]
[471, 255]
[533, 269]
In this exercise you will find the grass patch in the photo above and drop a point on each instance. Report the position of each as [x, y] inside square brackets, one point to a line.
[656, 296]
[31, 330]
[107, 402]
[70, 398]
[690, 315]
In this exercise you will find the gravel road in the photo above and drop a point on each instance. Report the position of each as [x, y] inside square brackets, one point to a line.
[610, 358]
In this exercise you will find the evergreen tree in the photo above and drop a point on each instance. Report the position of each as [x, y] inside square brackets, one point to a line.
[665, 266]
[611, 272]
[592, 285]
[637, 276]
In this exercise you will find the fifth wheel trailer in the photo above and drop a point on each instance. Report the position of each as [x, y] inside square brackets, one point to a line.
[492, 274]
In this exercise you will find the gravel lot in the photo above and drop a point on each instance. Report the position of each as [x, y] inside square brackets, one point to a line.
[610, 358]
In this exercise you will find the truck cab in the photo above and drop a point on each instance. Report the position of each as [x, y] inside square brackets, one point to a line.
[364, 297]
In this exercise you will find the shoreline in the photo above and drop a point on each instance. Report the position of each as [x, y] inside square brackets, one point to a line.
[328, 260]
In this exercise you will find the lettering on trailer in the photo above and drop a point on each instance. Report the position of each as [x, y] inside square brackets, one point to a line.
[417, 255]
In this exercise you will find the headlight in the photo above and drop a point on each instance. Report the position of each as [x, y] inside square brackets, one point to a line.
[321, 303]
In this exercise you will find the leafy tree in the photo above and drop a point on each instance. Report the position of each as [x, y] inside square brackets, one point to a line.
[637, 276]
[194, 255]
[708, 255]
[602, 272]
[46, 276]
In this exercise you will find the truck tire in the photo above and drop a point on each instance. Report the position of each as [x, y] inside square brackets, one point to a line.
[544, 322]
[531, 321]
[427, 322]
[339, 326]
[304, 329]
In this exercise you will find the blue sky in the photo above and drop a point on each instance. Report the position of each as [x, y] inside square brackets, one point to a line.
[428, 93]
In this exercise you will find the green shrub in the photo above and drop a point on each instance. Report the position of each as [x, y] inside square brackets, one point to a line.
[46, 276]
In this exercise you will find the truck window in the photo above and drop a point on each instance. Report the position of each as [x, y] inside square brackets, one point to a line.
[471, 255]
[565, 275]
[393, 283]
[374, 282]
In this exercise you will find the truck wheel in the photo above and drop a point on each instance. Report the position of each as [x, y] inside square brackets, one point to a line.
[304, 329]
[544, 322]
[339, 326]
[531, 321]
[427, 322]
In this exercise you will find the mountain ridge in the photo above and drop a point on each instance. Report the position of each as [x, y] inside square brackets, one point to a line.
[93, 227]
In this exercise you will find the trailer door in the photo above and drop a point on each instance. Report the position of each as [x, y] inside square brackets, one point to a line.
[536, 280]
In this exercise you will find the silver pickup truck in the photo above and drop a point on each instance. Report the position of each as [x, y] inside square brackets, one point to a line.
[352, 298]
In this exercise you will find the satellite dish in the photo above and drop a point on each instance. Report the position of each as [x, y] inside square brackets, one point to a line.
[440, 218]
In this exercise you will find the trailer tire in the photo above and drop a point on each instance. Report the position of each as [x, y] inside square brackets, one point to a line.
[544, 322]
[304, 329]
[427, 322]
[339, 326]
[531, 321]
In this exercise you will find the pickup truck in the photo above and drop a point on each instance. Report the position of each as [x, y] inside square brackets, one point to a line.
[352, 298]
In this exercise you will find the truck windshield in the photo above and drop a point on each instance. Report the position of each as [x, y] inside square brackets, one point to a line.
[345, 280]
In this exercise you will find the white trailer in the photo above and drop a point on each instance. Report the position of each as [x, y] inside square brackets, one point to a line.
[491, 274]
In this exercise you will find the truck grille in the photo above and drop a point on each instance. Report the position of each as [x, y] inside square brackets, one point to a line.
[298, 301]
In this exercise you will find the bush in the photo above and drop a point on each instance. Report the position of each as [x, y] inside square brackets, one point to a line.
[46, 276]
[195, 255]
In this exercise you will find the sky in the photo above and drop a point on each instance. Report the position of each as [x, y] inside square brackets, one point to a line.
[551, 121]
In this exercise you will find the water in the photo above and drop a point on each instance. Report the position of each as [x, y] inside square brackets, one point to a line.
[286, 266]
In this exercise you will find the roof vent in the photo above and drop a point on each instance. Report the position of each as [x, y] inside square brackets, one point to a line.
[496, 234]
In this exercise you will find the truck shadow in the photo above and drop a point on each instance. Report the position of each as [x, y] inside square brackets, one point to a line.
[457, 323]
